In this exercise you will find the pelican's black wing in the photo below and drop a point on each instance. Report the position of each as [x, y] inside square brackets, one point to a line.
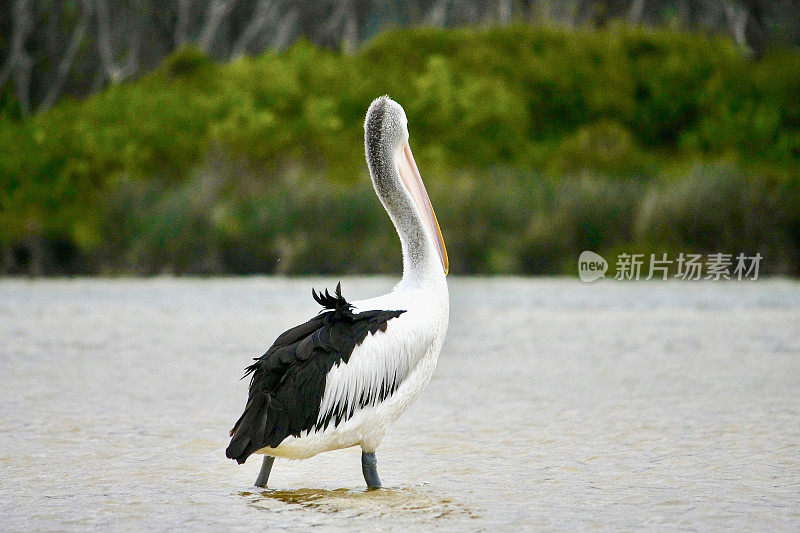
[288, 381]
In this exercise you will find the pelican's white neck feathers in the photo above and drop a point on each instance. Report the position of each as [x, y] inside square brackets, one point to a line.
[400, 189]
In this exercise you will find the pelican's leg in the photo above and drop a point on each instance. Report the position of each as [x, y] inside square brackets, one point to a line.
[263, 475]
[369, 466]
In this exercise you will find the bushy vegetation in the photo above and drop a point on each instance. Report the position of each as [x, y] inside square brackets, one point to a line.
[535, 144]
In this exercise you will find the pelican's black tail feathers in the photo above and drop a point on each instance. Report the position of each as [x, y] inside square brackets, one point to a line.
[334, 302]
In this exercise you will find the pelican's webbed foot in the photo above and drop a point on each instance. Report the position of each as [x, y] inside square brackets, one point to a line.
[369, 466]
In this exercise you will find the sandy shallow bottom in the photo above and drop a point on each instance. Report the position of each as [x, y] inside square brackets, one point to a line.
[556, 405]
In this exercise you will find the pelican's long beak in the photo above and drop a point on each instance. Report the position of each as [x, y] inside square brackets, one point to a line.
[413, 182]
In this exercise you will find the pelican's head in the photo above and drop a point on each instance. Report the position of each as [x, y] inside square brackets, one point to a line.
[393, 169]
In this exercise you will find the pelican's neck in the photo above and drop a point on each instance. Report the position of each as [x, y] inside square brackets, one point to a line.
[421, 263]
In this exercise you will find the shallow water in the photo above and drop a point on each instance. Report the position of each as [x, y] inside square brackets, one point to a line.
[556, 405]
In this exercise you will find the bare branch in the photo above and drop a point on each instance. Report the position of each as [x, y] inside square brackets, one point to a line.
[334, 21]
[350, 29]
[438, 13]
[264, 11]
[182, 26]
[286, 29]
[635, 12]
[736, 16]
[504, 12]
[22, 81]
[342, 25]
[134, 42]
[104, 47]
[65, 65]
[217, 11]
[22, 25]
[114, 72]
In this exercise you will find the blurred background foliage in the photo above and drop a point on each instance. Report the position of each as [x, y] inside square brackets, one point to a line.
[535, 143]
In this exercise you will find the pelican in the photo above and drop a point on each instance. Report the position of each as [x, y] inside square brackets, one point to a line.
[343, 378]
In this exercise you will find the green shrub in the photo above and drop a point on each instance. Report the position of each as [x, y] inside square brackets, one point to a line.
[589, 213]
[534, 143]
[720, 209]
[606, 147]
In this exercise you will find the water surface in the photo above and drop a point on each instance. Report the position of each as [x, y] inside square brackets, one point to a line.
[556, 405]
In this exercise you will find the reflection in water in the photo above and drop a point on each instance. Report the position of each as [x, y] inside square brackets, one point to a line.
[413, 504]
[555, 405]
